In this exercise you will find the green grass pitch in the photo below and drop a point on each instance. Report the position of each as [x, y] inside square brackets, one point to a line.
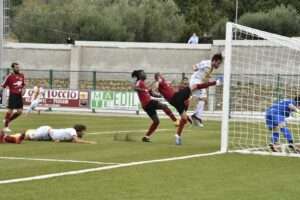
[226, 177]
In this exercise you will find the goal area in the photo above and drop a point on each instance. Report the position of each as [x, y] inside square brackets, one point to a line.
[260, 69]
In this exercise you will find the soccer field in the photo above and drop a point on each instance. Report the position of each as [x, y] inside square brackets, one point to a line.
[227, 176]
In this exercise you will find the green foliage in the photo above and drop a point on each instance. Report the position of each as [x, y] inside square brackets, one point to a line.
[199, 14]
[219, 28]
[119, 20]
[204, 15]
[16, 2]
[282, 20]
[145, 20]
[266, 5]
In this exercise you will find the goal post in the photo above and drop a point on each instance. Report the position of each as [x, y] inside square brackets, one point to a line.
[260, 69]
[226, 88]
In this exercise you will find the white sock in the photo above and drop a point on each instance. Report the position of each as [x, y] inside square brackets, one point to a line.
[199, 109]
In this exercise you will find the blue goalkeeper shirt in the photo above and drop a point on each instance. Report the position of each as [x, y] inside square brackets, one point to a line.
[281, 108]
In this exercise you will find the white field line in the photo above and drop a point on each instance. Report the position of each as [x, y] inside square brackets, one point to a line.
[126, 131]
[265, 153]
[57, 160]
[83, 171]
[130, 131]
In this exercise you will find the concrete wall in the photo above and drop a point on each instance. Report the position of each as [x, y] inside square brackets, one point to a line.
[107, 56]
[38, 56]
[152, 57]
[248, 57]
[103, 57]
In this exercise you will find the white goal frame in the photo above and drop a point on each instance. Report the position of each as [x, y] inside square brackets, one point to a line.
[280, 41]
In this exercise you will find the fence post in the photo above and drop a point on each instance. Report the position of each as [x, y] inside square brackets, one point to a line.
[3, 74]
[50, 83]
[278, 87]
[94, 85]
[182, 76]
[51, 79]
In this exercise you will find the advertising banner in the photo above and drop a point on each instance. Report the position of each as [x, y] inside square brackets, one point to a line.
[60, 98]
[114, 100]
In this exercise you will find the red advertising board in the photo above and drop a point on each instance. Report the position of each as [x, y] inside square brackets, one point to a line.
[60, 98]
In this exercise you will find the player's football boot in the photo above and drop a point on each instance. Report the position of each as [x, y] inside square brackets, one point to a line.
[146, 139]
[178, 140]
[275, 147]
[189, 119]
[293, 148]
[197, 121]
[6, 130]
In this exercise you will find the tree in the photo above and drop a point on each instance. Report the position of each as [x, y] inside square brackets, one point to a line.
[136, 20]
[219, 28]
[281, 20]
[162, 21]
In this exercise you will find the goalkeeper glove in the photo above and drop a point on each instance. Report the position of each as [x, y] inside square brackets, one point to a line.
[219, 80]
[295, 114]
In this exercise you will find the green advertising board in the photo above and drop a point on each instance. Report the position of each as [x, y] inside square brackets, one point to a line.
[114, 100]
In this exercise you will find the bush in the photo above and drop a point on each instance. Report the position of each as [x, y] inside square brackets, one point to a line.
[281, 20]
[219, 29]
[119, 20]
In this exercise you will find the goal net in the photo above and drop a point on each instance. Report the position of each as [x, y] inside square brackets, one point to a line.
[260, 69]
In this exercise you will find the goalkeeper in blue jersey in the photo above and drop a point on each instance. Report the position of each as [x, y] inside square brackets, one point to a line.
[275, 120]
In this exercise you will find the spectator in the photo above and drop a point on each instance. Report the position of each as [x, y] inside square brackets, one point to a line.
[194, 39]
[70, 40]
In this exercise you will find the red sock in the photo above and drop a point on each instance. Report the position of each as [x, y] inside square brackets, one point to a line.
[152, 128]
[6, 119]
[181, 126]
[16, 138]
[14, 116]
[1, 137]
[170, 114]
[10, 139]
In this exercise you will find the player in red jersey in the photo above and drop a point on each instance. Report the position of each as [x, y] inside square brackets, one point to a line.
[179, 99]
[15, 82]
[148, 103]
[17, 138]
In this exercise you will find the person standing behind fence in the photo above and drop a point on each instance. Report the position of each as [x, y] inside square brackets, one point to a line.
[194, 39]
[15, 82]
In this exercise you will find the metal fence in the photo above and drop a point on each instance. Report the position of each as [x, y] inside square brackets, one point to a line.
[249, 92]
[96, 80]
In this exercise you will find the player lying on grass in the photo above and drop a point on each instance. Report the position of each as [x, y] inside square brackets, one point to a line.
[148, 103]
[276, 116]
[179, 99]
[47, 133]
[16, 139]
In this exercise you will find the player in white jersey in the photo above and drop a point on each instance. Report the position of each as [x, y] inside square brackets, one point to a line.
[202, 74]
[47, 133]
[38, 93]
